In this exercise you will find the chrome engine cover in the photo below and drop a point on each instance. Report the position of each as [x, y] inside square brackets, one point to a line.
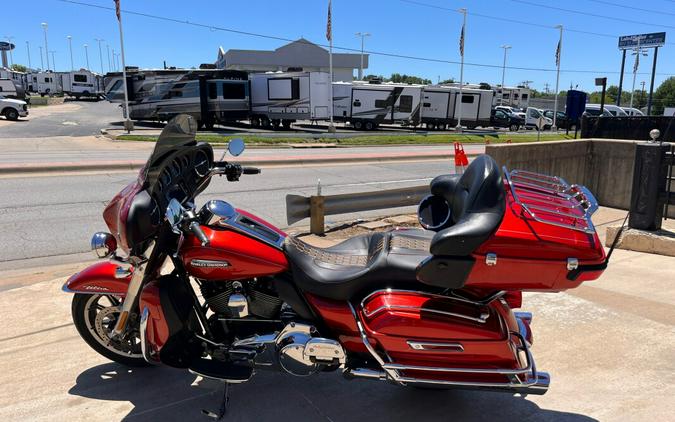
[295, 350]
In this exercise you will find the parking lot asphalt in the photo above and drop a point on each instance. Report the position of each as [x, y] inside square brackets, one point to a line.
[608, 345]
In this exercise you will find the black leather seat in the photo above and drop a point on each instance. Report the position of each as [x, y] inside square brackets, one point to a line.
[358, 265]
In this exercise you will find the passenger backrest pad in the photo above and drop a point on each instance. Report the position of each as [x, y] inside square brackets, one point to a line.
[477, 203]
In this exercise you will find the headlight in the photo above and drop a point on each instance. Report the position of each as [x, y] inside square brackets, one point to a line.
[103, 244]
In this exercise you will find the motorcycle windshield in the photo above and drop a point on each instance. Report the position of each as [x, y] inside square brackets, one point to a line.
[179, 132]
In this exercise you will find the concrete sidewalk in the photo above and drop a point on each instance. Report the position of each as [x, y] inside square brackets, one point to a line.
[609, 346]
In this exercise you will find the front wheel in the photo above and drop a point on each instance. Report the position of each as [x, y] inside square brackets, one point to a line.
[95, 317]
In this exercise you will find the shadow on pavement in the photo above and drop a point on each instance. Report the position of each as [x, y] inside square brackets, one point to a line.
[173, 395]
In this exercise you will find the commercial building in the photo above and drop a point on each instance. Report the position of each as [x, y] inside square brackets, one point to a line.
[299, 55]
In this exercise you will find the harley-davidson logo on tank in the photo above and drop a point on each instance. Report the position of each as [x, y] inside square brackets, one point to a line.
[206, 263]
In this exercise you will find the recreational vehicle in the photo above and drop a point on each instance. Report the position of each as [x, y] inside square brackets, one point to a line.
[9, 89]
[82, 83]
[210, 96]
[367, 104]
[47, 83]
[19, 78]
[282, 98]
[512, 96]
[441, 106]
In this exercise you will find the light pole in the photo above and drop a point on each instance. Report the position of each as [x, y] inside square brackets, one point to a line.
[114, 60]
[636, 53]
[42, 62]
[53, 61]
[70, 46]
[100, 53]
[363, 35]
[107, 46]
[505, 47]
[28, 50]
[44, 26]
[558, 53]
[11, 57]
[86, 55]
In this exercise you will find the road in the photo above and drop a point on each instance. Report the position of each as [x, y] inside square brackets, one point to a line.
[50, 219]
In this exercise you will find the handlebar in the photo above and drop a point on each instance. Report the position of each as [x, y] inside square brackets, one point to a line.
[251, 170]
[196, 229]
[233, 171]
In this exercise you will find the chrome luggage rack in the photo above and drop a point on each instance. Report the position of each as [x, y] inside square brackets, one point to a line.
[551, 200]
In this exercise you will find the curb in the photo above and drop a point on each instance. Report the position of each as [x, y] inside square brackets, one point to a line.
[26, 168]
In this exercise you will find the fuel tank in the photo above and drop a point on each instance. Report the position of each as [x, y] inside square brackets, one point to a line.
[232, 254]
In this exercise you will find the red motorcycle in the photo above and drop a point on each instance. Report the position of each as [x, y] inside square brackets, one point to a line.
[221, 292]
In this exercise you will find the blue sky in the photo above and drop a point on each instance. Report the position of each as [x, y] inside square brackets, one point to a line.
[407, 28]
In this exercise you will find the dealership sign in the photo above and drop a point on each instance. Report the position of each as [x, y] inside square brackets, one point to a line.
[656, 39]
[5, 46]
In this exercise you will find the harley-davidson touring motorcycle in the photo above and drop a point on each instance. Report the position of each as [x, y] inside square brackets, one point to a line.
[222, 293]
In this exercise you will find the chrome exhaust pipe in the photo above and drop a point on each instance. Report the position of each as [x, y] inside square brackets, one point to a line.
[351, 373]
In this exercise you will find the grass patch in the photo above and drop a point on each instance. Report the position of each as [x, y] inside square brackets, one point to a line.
[371, 139]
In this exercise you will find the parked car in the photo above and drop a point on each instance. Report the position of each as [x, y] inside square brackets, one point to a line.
[502, 118]
[512, 110]
[13, 109]
[561, 121]
[631, 111]
[596, 112]
[532, 117]
[613, 110]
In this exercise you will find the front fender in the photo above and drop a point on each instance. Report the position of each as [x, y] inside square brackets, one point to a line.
[96, 279]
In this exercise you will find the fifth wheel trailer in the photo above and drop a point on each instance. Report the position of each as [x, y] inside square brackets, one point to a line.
[366, 104]
[279, 98]
[210, 96]
[441, 104]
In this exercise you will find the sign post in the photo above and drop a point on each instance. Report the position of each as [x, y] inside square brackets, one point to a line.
[603, 83]
[636, 42]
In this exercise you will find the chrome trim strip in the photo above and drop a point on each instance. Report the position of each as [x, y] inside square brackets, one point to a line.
[435, 347]
[481, 319]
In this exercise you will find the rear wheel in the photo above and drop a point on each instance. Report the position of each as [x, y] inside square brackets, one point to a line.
[514, 127]
[369, 125]
[358, 125]
[95, 317]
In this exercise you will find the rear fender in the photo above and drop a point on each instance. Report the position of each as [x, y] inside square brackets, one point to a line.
[98, 279]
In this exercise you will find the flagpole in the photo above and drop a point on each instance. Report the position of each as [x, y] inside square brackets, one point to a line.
[331, 127]
[458, 128]
[557, 78]
[128, 124]
[635, 69]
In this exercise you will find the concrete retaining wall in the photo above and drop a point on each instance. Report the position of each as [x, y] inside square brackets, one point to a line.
[605, 166]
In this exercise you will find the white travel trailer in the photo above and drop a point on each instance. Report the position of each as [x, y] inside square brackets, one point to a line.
[9, 89]
[512, 96]
[279, 98]
[368, 104]
[441, 104]
[45, 83]
[210, 96]
[82, 83]
[20, 79]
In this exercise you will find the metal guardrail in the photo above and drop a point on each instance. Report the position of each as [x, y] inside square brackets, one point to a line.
[318, 206]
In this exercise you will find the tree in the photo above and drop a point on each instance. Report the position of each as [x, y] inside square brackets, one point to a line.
[18, 67]
[408, 79]
[664, 96]
[485, 85]
[448, 81]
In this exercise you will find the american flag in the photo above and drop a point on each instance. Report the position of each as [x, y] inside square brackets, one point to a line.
[637, 62]
[329, 24]
[461, 42]
[117, 10]
[557, 54]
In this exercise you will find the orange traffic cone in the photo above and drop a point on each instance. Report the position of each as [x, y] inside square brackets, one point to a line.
[461, 161]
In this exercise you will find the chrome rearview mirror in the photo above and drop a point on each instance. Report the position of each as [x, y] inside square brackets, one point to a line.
[236, 146]
[103, 244]
[174, 214]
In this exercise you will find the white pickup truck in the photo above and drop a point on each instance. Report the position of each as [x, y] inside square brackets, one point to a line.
[13, 109]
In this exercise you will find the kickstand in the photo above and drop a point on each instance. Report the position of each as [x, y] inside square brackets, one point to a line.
[223, 405]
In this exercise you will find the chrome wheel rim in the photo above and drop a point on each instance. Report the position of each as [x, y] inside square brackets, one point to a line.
[100, 316]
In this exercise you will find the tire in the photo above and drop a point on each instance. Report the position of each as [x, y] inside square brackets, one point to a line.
[514, 128]
[369, 126]
[358, 124]
[84, 318]
[276, 123]
[11, 114]
[286, 124]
